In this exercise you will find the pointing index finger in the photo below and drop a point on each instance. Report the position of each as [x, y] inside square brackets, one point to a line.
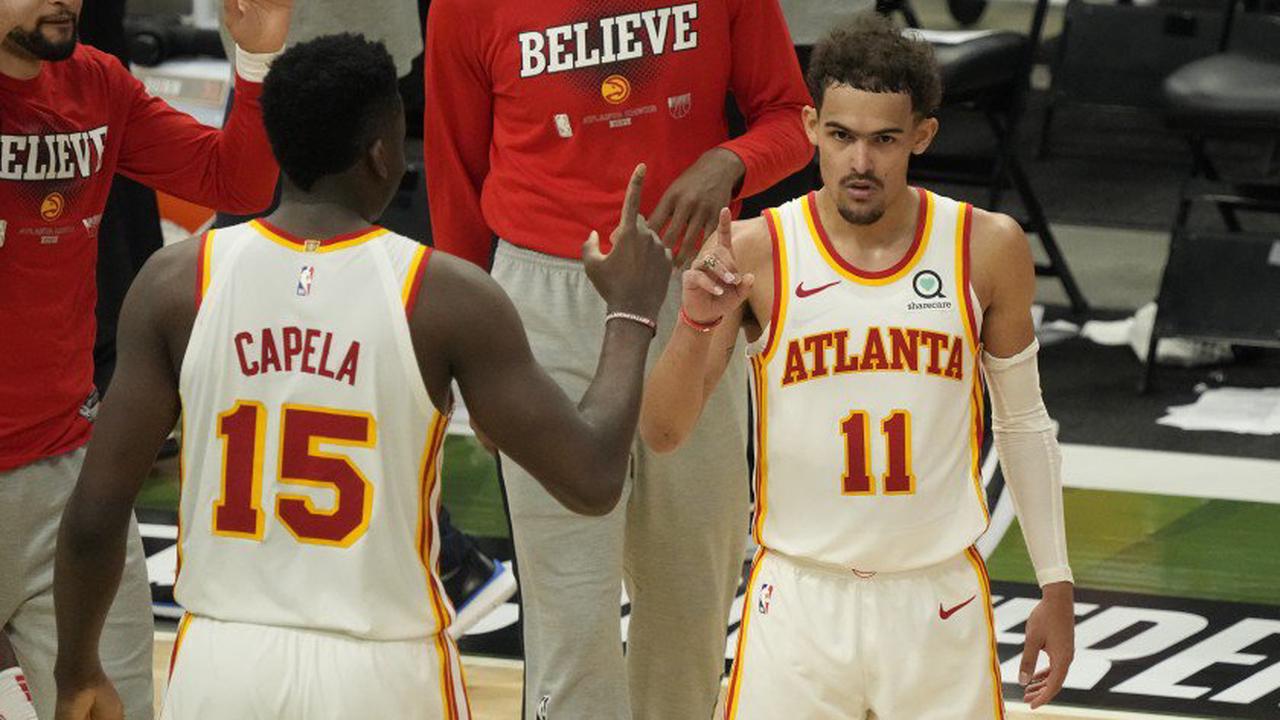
[631, 203]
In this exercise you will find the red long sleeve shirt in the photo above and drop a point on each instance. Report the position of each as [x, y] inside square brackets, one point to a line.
[537, 112]
[63, 135]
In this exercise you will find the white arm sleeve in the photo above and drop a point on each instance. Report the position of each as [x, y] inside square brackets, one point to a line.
[254, 66]
[1028, 449]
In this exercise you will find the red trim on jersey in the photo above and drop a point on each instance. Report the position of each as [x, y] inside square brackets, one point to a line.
[966, 275]
[775, 235]
[200, 261]
[922, 213]
[324, 242]
[416, 283]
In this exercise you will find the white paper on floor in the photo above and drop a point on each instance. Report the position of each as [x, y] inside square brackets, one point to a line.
[1238, 410]
[1135, 332]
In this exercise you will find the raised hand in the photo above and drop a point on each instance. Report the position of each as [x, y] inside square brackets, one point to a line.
[257, 26]
[713, 286]
[1051, 627]
[633, 277]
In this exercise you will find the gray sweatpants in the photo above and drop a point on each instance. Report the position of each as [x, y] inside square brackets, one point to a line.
[676, 538]
[31, 501]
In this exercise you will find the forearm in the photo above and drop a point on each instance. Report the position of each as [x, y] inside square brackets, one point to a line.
[674, 393]
[1031, 460]
[773, 148]
[610, 407]
[89, 563]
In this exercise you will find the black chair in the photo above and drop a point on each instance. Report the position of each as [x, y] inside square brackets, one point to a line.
[990, 75]
[1224, 286]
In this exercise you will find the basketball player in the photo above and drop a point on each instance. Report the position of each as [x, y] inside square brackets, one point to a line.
[71, 117]
[536, 112]
[876, 311]
[311, 368]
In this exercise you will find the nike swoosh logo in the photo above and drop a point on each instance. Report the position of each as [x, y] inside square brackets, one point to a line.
[944, 614]
[802, 292]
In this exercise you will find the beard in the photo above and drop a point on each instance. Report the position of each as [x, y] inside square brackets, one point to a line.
[36, 44]
[860, 216]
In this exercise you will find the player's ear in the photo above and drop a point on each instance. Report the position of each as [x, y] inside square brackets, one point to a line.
[378, 157]
[809, 116]
[925, 131]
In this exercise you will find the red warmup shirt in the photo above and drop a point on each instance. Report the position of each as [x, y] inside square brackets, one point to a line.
[538, 111]
[63, 135]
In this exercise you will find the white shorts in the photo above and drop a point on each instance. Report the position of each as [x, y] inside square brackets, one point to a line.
[224, 670]
[822, 643]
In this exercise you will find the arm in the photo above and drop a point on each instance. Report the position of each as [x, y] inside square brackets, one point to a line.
[468, 329]
[137, 415]
[231, 170]
[695, 358]
[767, 85]
[457, 128]
[1026, 443]
[771, 93]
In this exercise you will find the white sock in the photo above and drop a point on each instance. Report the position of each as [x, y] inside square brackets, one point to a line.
[15, 699]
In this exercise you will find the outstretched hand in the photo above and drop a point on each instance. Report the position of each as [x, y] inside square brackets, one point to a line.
[713, 286]
[634, 275]
[257, 26]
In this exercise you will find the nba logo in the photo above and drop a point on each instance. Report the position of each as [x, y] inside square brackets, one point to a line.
[563, 126]
[305, 276]
[766, 594]
[680, 105]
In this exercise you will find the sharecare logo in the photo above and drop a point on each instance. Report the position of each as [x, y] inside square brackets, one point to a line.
[608, 40]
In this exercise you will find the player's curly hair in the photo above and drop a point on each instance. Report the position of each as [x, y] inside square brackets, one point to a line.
[870, 53]
[322, 103]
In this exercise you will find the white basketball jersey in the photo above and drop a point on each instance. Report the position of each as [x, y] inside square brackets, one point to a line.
[869, 398]
[310, 448]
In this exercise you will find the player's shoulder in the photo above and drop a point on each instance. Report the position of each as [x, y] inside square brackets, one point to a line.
[87, 58]
[457, 287]
[996, 236]
[167, 280]
[753, 244]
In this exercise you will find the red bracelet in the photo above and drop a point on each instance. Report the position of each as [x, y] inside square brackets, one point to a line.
[701, 327]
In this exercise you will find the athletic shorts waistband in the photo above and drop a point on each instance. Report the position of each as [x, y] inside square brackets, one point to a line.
[517, 254]
[959, 559]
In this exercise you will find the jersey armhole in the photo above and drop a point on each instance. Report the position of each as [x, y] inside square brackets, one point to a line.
[413, 279]
[771, 329]
[204, 266]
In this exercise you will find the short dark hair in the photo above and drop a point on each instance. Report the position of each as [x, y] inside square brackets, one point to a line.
[323, 102]
[870, 53]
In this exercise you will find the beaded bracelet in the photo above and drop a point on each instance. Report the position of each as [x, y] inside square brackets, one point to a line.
[647, 322]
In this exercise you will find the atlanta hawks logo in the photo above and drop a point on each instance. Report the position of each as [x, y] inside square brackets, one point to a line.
[52, 206]
[615, 89]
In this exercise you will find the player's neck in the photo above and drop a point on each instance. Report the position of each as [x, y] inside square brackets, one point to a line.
[19, 66]
[316, 218]
[896, 227]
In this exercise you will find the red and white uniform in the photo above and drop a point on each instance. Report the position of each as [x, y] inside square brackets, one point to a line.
[63, 135]
[311, 467]
[868, 493]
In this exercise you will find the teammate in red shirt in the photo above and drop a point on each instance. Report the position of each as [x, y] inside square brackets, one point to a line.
[70, 118]
[536, 113]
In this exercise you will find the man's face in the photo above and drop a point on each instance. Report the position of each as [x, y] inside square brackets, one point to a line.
[865, 141]
[45, 29]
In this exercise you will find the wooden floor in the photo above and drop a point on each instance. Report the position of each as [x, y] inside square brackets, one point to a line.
[494, 688]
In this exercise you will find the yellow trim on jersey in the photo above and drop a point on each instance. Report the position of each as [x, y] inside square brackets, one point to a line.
[984, 582]
[976, 411]
[284, 242]
[962, 293]
[255, 489]
[313, 444]
[816, 238]
[429, 474]
[734, 693]
[782, 282]
[182, 461]
[760, 373]
[206, 265]
[183, 624]
[407, 289]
